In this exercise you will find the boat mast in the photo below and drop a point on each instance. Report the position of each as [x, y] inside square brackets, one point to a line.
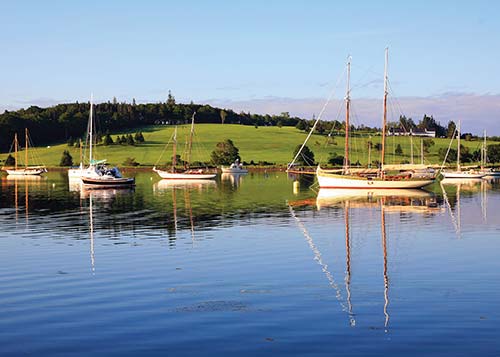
[81, 154]
[190, 144]
[91, 129]
[347, 107]
[422, 151]
[26, 147]
[458, 147]
[384, 116]
[411, 146]
[174, 153]
[483, 153]
[15, 151]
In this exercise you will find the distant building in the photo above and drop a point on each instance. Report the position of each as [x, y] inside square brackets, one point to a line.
[412, 132]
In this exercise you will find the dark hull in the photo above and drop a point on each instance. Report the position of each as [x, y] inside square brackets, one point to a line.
[104, 183]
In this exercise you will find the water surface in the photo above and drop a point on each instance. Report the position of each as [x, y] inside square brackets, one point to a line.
[245, 266]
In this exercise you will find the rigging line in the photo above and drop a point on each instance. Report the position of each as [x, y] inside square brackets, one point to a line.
[319, 259]
[448, 205]
[164, 149]
[336, 120]
[447, 151]
[317, 119]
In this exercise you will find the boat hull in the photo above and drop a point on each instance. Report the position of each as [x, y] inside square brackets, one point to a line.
[462, 175]
[328, 180]
[27, 172]
[185, 175]
[108, 182]
[80, 172]
[229, 170]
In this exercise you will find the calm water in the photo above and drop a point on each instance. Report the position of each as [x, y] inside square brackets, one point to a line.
[246, 267]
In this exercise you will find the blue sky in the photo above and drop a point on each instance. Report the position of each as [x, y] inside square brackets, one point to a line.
[238, 54]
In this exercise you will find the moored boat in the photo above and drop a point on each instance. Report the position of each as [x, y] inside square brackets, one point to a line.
[384, 177]
[187, 173]
[235, 168]
[26, 170]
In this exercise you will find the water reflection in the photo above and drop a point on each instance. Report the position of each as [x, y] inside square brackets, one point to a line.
[386, 202]
[234, 179]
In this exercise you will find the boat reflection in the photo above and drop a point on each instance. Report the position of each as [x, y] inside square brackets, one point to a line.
[461, 186]
[395, 200]
[163, 185]
[17, 182]
[384, 201]
[234, 178]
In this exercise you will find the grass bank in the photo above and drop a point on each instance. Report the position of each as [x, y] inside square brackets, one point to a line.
[271, 144]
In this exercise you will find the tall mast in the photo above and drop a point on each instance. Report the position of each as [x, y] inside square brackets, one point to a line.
[411, 146]
[174, 153]
[91, 128]
[422, 151]
[81, 154]
[347, 107]
[458, 147]
[484, 153]
[15, 151]
[384, 116]
[190, 143]
[26, 147]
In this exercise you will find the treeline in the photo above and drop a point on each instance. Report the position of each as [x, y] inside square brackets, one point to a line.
[63, 122]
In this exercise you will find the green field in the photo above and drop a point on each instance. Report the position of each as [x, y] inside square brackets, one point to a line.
[271, 144]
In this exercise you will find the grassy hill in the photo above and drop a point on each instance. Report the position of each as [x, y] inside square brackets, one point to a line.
[272, 144]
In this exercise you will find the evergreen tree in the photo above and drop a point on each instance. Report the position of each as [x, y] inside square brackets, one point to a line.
[10, 161]
[130, 140]
[108, 140]
[399, 150]
[306, 157]
[66, 159]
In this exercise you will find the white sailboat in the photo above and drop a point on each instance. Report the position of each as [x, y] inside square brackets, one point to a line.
[405, 176]
[188, 173]
[488, 171]
[97, 174]
[26, 170]
[458, 173]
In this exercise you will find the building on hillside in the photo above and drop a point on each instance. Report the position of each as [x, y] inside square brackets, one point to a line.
[412, 132]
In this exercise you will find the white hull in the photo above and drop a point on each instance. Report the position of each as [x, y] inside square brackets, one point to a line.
[193, 175]
[81, 172]
[462, 175]
[27, 172]
[234, 170]
[329, 180]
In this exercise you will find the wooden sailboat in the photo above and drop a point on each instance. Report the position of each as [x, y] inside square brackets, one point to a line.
[405, 176]
[458, 173]
[26, 170]
[187, 173]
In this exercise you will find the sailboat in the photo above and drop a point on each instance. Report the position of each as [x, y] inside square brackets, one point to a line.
[97, 174]
[188, 173]
[458, 173]
[405, 176]
[488, 171]
[26, 170]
